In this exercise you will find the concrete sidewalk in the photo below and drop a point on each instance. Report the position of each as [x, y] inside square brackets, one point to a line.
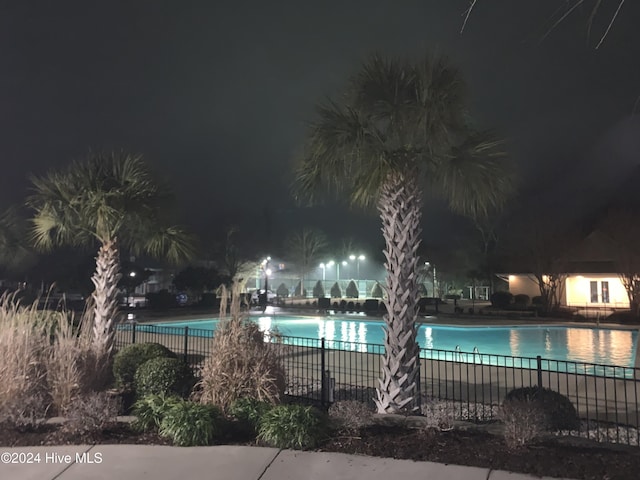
[124, 462]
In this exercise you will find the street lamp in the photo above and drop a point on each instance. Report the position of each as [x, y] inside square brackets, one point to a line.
[263, 298]
[358, 258]
[344, 264]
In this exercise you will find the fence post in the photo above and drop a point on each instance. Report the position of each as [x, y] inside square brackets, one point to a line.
[323, 387]
[418, 389]
[186, 344]
[133, 334]
[539, 362]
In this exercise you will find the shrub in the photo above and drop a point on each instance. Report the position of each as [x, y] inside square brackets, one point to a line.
[318, 289]
[501, 299]
[283, 291]
[128, 359]
[523, 421]
[350, 415]
[244, 364]
[292, 426]
[249, 411]
[190, 424]
[438, 414]
[352, 290]
[73, 368]
[24, 340]
[162, 300]
[537, 300]
[376, 291]
[299, 292]
[163, 375]
[522, 299]
[91, 413]
[336, 291]
[558, 411]
[150, 410]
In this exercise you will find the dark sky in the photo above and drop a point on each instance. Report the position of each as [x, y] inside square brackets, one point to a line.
[216, 94]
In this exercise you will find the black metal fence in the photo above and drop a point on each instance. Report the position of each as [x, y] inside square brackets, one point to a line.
[471, 384]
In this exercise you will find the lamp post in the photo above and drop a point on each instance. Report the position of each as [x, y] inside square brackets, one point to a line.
[263, 297]
[357, 259]
[344, 264]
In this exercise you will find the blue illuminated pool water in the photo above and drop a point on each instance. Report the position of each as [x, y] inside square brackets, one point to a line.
[573, 344]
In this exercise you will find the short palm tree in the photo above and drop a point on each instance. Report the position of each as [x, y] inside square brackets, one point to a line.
[110, 199]
[402, 128]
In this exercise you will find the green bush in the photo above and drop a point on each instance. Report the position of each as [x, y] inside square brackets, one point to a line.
[249, 411]
[352, 290]
[128, 359]
[336, 291]
[283, 291]
[163, 376]
[318, 289]
[376, 291]
[522, 299]
[190, 424]
[558, 411]
[292, 426]
[501, 299]
[150, 410]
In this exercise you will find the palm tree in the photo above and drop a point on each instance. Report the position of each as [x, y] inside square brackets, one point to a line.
[402, 128]
[110, 199]
[305, 248]
[14, 254]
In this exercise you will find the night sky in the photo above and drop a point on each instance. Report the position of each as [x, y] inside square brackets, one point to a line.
[216, 94]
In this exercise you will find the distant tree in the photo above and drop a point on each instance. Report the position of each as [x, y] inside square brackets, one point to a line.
[542, 249]
[623, 227]
[113, 200]
[336, 291]
[352, 290]
[15, 256]
[318, 289]
[197, 280]
[305, 248]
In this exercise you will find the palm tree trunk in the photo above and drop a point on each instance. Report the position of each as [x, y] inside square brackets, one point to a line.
[105, 296]
[400, 211]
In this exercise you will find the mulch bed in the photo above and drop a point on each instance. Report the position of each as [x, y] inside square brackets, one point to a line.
[551, 458]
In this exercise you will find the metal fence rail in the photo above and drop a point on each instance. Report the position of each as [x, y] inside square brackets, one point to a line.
[324, 371]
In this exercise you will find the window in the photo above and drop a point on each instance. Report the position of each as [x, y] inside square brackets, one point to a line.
[604, 289]
[599, 295]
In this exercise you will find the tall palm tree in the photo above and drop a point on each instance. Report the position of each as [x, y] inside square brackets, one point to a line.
[109, 199]
[402, 128]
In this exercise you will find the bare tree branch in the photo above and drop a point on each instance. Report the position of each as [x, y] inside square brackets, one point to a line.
[467, 13]
[613, 19]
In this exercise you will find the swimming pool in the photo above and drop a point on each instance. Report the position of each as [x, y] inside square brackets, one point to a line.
[573, 344]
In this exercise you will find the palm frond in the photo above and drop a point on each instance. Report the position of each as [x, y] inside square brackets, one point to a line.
[396, 116]
[476, 176]
[173, 244]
